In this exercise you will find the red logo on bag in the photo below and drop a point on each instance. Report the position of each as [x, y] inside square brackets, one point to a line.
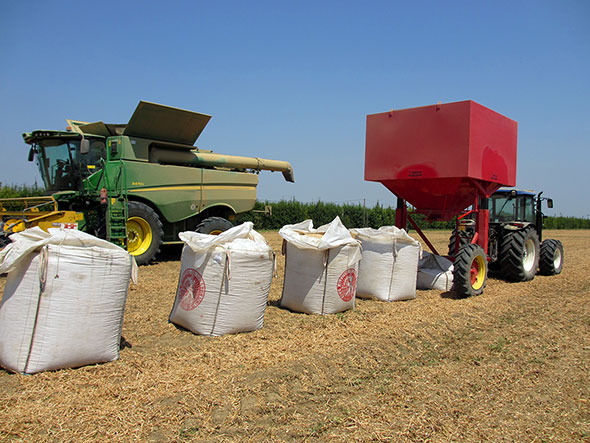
[191, 290]
[347, 284]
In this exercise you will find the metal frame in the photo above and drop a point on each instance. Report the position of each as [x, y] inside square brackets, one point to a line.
[482, 222]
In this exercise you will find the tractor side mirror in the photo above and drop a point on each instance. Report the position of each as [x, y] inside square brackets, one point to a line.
[550, 203]
[32, 153]
[84, 146]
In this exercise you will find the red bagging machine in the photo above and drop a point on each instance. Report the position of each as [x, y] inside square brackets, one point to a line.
[443, 159]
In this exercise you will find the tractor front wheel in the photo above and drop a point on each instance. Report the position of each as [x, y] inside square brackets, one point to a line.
[470, 270]
[519, 255]
[144, 232]
[213, 226]
[551, 261]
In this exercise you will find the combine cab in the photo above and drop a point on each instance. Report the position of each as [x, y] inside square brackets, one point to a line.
[137, 184]
[445, 158]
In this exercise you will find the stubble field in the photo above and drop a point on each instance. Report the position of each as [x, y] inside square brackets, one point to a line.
[510, 365]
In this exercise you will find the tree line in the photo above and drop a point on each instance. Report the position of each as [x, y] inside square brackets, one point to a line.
[357, 216]
[19, 191]
[287, 212]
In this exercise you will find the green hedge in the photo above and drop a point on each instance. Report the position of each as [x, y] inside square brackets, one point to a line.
[291, 211]
[352, 216]
[18, 191]
[355, 216]
[566, 223]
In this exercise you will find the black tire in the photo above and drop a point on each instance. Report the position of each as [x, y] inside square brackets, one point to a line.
[551, 261]
[213, 225]
[144, 232]
[470, 272]
[519, 255]
[464, 239]
[4, 240]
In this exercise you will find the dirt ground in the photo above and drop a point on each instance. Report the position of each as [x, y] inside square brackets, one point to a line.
[509, 365]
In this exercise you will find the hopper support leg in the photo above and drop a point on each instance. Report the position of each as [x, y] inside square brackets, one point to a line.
[401, 214]
[401, 221]
[422, 235]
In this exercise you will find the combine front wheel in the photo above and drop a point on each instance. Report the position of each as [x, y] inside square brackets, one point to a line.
[551, 261]
[471, 270]
[144, 232]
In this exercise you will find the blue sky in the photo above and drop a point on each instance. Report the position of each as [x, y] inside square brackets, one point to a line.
[295, 80]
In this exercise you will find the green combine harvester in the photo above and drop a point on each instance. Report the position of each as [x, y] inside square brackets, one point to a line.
[137, 185]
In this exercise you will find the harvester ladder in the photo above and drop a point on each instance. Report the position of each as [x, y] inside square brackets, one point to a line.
[116, 207]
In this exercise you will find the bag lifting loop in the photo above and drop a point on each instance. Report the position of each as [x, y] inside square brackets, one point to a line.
[44, 264]
[326, 263]
[226, 271]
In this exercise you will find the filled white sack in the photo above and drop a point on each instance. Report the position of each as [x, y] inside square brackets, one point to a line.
[224, 281]
[63, 301]
[389, 266]
[321, 267]
[435, 272]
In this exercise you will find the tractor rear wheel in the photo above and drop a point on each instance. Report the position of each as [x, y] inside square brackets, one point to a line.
[551, 261]
[471, 270]
[144, 232]
[213, 226]
[519, 255]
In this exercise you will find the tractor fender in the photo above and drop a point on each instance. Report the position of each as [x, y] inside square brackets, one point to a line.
[517, 226]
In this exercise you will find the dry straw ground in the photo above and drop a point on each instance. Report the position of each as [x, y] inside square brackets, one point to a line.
[509, 365]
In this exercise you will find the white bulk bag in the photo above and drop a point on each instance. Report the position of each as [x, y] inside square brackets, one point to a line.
[435, 272]
[224, 281]
[389, 265]
[321, 267]
[63, 301]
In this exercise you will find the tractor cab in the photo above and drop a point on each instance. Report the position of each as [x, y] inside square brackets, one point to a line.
[510, 205]
[515, 209]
